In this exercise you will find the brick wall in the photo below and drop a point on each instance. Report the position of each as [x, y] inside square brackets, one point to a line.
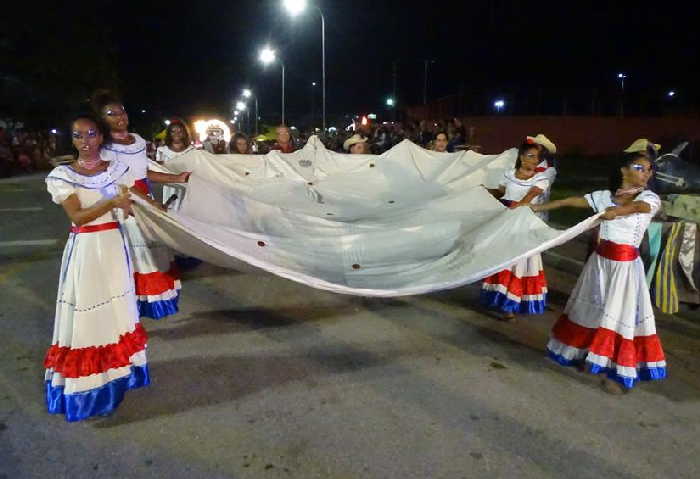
[585, 135]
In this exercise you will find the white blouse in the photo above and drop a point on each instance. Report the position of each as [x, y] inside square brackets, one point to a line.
[133, 155]
[628, 229]
[516, 188]
[64, 181]
[165, 154]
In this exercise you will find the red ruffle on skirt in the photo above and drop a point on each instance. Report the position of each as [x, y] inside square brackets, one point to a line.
[608, 343]
[525, 286]
[81, 362]
[153, 284]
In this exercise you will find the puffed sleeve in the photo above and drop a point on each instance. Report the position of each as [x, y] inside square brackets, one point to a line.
[59, 188]
[542, 183]
[651, 198]
[504, 180]
[596, 200]
[549, 173]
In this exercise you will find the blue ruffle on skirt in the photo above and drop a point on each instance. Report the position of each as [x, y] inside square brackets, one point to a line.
[158, 309]
[100, 401]
[498, 300]
[643, 373]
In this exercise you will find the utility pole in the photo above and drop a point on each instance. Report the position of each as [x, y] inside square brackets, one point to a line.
[394, 79]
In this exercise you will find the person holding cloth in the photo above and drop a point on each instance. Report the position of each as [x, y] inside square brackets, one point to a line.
[608, 325]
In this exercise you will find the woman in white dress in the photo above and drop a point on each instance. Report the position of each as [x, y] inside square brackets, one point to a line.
[608, 324]
[522, 288]
[177, 143]
[98, 349]
[156, 276]
[546, 168]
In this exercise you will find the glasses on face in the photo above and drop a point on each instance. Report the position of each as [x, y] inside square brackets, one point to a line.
[115, 112]
[91, 133]
[642, 168]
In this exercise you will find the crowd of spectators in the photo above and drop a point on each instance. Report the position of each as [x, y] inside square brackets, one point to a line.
[371, 138]
[24, 151]
[379, 137]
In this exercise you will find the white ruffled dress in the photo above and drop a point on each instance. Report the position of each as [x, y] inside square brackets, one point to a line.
[98, 351]
[608, 321]
[156, 276]
[522, 288]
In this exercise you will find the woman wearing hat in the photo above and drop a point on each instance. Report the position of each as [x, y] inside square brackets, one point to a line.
[608, 324]
[355, 144]
[545, 168]
[521, 288]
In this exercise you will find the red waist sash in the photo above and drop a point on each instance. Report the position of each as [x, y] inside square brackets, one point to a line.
[112, 225]
[617, 252]
[142, 186]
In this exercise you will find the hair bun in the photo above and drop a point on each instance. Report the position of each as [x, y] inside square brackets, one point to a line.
[102, 97]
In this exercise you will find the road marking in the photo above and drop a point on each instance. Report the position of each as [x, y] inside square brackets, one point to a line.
[44, 242]
[28, 208]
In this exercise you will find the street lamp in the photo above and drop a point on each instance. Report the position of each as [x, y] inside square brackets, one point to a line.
[621, 77]
[167, 122]
[247, 93]
[240, 106]
[389, 101]
[499, 105]
[671, 94]
[267, 56]
[295, 7]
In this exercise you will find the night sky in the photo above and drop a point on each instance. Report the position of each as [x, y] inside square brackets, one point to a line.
[186, 58]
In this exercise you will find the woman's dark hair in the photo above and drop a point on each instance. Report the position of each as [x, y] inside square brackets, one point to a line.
[615, 179]
[236, 137]
[169, 132]
[441, 132]
[99, 123]
[101, 98]
[524, 148]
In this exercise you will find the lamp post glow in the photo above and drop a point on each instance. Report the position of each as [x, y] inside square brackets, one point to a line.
[671, 94]
[247, 93]
[389, 102]
[295, 7]
[267, 56]
[621, 77]
[499, 105]
[240, 106]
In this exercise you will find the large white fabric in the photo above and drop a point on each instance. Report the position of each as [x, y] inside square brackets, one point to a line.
[409, 221]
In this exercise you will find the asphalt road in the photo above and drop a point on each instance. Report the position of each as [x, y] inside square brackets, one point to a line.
[259, 377]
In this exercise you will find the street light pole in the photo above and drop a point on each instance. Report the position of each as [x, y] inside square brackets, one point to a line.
[294, 8]
[257, 115]
[323, 62]
[267, 55]
[621, 77]
[282, 63]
